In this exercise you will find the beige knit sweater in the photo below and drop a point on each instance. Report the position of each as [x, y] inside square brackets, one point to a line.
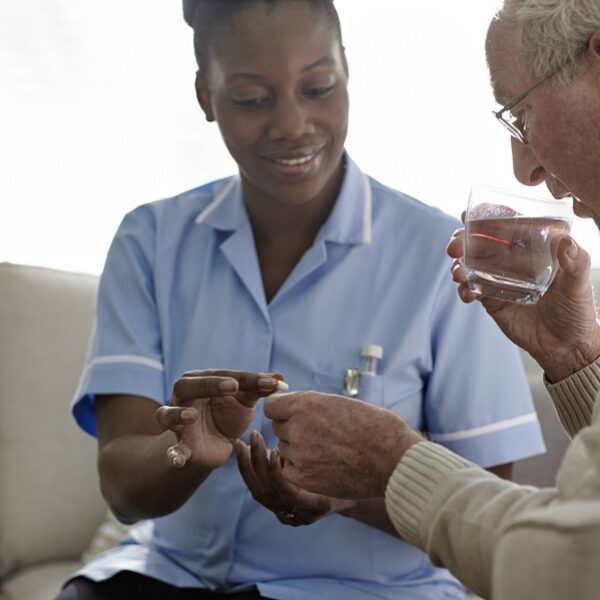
[503, 540]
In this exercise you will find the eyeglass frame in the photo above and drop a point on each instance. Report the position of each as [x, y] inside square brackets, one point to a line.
[515, 131]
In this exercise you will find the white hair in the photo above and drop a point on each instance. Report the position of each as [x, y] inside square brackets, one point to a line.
[554, 33]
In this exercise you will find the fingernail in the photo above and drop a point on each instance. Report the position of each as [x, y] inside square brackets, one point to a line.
[274, 457]
[267, 382]
[188, 414]
[229, 385]
[573, 250]
[253, 438]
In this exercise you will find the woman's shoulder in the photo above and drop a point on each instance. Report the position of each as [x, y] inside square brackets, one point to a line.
[190, 202]
[177, 210]
[394, 205]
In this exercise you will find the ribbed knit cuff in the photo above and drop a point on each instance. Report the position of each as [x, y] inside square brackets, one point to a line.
[414, 482]
[574, 397]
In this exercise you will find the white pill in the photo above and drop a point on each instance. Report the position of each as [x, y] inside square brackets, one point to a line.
[282, 386]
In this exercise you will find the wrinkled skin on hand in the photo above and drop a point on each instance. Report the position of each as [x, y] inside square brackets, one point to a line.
[561, 331]
[211, 409]
[263, 475]
[336, 446]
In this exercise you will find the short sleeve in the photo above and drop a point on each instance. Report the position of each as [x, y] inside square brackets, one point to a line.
[125, 353]
[477, 402]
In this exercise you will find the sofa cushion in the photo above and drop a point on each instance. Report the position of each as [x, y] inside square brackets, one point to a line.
[41, 582]
[50, 503]
[109, 534]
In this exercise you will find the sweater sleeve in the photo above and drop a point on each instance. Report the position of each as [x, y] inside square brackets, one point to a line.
[574, 397]
[455, 511]
[458, 513]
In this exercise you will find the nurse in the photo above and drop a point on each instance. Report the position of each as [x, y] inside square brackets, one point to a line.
[287, 269]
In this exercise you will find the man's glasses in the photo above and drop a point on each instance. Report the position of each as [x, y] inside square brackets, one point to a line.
[515, 125]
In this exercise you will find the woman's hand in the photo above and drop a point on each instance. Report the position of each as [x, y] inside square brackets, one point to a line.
[561, 331]
[211, 409]
[290, 504]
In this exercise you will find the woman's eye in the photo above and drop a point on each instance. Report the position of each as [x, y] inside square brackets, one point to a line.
[318, 92]
[249, 103]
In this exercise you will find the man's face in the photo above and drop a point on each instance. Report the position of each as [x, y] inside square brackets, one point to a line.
[563, 123]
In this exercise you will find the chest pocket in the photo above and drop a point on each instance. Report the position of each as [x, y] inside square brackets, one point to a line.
[370, 387]
[402, 396]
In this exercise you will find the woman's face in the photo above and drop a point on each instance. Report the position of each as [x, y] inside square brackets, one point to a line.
[277, 87]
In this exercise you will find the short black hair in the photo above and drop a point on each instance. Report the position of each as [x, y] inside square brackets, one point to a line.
[207, 16]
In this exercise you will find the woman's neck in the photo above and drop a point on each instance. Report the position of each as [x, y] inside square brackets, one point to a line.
[273, 219]
[284, 232]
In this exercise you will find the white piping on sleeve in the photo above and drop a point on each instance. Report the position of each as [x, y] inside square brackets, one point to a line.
[126, 358]
[476, 431]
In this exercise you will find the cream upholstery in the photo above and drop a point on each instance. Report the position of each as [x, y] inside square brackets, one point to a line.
[50, 505]
[49, 500]
[540, 470]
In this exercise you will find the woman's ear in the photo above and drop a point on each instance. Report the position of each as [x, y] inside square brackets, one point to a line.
[345, 63]
[203, 96]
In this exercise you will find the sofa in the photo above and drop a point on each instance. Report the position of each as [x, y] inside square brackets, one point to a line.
[51, 511]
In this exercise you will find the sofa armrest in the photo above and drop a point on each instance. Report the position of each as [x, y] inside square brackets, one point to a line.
[50, 502]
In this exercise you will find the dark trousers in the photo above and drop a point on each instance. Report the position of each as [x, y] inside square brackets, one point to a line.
[132, 586]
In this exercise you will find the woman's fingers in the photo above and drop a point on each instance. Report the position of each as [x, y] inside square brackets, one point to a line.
[207, 406]
[179, 454]
[261, 471]
[262, 491]
[267, 469]
[189, 388]
[207, 383]
[256, 469]
[176, 417]
[287, 490]
[259, 458]
[242, 453]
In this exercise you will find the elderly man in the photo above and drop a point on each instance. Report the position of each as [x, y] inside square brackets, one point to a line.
[501, 539]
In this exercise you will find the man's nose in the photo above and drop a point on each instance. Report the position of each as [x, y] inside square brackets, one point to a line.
[526, 167]
[290, 120]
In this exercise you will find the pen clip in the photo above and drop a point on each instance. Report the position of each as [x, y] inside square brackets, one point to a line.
[351, 381]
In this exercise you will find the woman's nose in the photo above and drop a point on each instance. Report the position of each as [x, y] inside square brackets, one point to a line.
[290, 120]
[526, 167]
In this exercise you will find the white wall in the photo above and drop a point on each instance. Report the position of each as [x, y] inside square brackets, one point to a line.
[98, 114]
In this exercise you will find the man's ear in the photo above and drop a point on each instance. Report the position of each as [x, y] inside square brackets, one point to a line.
[203, 96]
[594, 46]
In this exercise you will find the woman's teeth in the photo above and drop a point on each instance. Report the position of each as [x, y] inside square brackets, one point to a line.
[294, 161]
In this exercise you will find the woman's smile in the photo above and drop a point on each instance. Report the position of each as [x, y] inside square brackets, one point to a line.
[297, 163]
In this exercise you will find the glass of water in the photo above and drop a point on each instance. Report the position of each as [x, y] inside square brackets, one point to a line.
[510, 243]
